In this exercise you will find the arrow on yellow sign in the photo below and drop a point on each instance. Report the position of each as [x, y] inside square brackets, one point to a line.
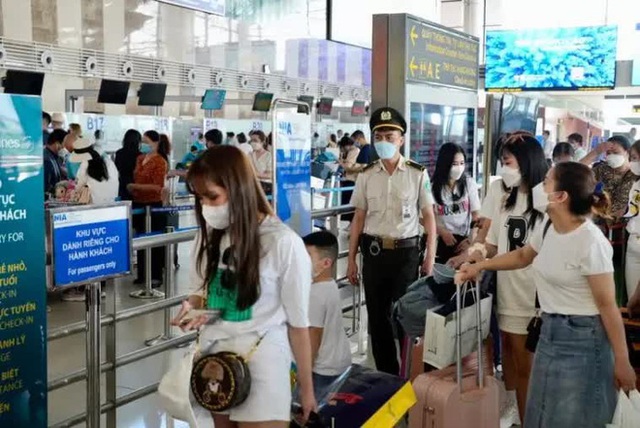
[412, 66]
[413, 35]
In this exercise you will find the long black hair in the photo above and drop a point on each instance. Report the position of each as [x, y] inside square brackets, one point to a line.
[440, 178]
[533, 168]
[131, 142]
[97, 168]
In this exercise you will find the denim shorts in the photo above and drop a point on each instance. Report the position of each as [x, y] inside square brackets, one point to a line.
[572, 382]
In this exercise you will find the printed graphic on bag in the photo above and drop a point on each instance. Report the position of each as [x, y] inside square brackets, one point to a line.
[220, 381]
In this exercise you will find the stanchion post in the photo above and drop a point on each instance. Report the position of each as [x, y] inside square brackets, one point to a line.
[148, 292]
[362, 330]
[110, 345]
[169, 290]
[93, 355]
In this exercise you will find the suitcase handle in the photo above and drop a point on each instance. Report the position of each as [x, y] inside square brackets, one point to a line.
[478, 303]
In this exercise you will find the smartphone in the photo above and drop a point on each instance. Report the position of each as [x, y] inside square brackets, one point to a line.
[195, 313]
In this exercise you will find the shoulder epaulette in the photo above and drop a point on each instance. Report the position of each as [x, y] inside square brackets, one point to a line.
[415, 165]
[371, 165]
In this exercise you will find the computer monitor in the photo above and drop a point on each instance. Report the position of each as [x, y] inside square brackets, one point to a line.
[152, 94]
[213, 99]
[325, 106]
[262, 101]
[359, 108]
[113, 92]
[307, 99]
[23, 82]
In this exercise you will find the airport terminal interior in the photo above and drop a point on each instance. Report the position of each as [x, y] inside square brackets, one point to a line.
[406, 142]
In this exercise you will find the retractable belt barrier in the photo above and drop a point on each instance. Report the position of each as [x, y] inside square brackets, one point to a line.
[167, 341]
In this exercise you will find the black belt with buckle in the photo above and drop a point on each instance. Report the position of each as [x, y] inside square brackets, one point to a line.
[375, 244]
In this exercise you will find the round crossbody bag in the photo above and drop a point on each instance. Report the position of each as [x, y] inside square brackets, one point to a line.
[222, 380]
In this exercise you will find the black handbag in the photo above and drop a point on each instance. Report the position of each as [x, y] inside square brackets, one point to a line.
[535, 325]
[533, 329]
[220, 381]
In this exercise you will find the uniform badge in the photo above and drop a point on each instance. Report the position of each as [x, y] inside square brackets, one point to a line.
[385, 115]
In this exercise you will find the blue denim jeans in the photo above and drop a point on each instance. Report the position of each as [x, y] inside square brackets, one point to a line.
[572, 382]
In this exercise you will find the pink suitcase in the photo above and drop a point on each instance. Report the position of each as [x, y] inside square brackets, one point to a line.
[453, 398]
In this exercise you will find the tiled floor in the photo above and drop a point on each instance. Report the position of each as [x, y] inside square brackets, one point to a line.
[68, 355]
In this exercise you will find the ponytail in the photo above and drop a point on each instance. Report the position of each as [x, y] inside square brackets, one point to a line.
[601, 202]
[164, 146]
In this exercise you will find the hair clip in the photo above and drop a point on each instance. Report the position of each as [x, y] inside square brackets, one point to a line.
[599, 188]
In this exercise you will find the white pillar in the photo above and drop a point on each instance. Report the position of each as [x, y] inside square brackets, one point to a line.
[473, 17]
[113, 17]
[16, 20]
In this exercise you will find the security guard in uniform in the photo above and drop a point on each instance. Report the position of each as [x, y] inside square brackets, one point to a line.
[392, 197]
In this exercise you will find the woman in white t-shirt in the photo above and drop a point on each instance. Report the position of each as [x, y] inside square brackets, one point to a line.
[457, 202]
[575, 372]
[262, 160]
[96, 171]
[632, 263]
[255, 270]
[513, 221]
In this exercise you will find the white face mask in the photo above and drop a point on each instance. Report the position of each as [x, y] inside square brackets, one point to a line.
[615, 160]
[456, 172]
[257, 146]
[511, 176]
[540, 198]
[216, 217]
[635, 167]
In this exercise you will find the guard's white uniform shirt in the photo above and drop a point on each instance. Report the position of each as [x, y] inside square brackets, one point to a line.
[392, 202]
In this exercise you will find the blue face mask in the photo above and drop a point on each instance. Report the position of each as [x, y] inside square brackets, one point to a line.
[145, 148]
[385, 150]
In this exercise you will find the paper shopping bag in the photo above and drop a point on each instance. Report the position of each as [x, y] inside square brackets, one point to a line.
[440, 332]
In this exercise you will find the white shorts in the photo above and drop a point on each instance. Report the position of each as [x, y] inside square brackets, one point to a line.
[632, 264]
[513, 324]
[270, 365]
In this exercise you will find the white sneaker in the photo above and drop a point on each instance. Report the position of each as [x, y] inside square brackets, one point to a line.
[509, 415]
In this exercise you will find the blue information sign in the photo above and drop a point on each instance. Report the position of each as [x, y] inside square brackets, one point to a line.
[23, 310]
[293, 169]
[90, 244]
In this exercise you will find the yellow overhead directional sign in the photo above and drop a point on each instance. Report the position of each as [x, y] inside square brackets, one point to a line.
[413, 35]
[436, 55]
[413, 67]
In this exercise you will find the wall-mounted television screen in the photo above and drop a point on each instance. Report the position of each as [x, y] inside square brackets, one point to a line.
[307, 99]
[213, 99]
[152, 94]
[113, 92]
[325, 106]
[579, 58]
[262, 101]
[358, 108]
[23, 82]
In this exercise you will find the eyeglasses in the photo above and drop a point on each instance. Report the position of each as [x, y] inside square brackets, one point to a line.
[228, 278]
